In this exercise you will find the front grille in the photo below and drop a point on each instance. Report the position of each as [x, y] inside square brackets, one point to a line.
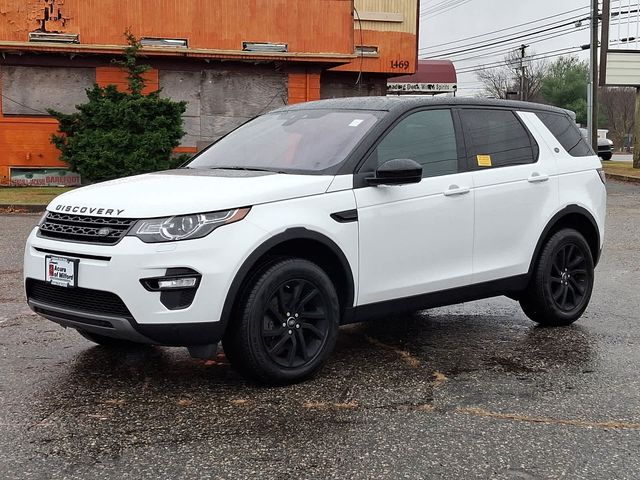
[79, 228]
[77, 299]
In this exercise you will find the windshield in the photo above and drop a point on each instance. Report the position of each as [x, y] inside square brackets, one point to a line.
[290, 141]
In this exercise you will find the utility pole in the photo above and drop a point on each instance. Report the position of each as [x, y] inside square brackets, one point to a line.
[636, 132]
[522, 71]
[592, 101]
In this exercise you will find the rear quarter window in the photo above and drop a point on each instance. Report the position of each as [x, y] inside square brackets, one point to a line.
[567, 133]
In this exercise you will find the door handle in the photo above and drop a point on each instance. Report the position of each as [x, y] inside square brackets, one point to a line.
[537, 178]
[455, 190]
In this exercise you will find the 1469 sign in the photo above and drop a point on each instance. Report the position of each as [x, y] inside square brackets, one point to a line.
[400, 64]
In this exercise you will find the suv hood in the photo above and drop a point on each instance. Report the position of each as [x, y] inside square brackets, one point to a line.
[185, 191]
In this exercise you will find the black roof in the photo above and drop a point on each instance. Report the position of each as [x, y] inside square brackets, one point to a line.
[403, 103]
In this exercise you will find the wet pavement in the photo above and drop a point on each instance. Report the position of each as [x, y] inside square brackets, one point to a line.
[469, 391]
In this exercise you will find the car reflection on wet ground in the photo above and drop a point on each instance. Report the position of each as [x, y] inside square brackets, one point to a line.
[474, 390]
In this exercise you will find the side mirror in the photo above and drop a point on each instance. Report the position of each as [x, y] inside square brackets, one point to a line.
[397, 172]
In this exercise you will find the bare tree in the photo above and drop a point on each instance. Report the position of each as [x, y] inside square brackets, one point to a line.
[617, 104]
[496, 82]
[499, 82]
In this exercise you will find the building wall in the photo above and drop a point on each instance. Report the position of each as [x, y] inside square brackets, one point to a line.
[304, 85]
[223, 87]
[339, 85]
[219, 24]
[31, 91]
[392, 27]
[219, 98]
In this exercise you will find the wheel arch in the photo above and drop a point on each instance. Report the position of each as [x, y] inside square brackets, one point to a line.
[578, 218]
[303, 243]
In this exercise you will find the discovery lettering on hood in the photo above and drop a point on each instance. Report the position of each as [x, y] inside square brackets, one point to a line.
[113, 212]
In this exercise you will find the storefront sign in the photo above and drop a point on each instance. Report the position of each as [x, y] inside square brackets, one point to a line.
[43, 177]
[424, 88]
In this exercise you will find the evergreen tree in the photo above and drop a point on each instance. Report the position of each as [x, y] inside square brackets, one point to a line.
[117, 134]
[565, 86]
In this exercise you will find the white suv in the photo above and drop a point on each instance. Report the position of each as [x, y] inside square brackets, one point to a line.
[323, 214]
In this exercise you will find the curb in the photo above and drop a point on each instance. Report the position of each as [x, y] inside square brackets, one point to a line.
[9, 208]
[622, 178]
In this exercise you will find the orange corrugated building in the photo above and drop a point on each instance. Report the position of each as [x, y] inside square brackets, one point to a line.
[229, 59]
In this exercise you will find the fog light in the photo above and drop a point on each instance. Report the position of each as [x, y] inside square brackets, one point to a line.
[184, 282]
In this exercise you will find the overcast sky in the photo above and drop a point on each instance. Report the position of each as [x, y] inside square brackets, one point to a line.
[477, 17]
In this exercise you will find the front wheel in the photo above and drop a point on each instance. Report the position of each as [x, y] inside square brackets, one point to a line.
[562, 280]
[287, 323]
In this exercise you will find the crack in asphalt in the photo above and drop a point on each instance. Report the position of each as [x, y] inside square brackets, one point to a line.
[406, 356]
[10, 272]
[607, 425]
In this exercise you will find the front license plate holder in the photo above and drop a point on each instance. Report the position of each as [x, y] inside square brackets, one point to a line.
[61, 271]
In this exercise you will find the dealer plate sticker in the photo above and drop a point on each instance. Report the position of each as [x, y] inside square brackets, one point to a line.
[61, 271]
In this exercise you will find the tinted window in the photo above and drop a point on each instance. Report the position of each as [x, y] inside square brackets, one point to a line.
[428, 138]
[297, 141]
[496, 138]
[567, 133]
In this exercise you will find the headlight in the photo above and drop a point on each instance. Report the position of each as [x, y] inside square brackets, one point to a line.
[185, 227]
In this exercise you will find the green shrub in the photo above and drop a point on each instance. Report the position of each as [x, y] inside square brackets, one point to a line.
[117, 134]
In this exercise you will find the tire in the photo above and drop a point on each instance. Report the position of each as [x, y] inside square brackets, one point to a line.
[606, 156]
[109, 342]
[286, 323]
[562, 281]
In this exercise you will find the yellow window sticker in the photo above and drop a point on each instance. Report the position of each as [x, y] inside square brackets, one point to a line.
[484, 160]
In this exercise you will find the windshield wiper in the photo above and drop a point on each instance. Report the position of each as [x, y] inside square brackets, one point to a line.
[248, 169]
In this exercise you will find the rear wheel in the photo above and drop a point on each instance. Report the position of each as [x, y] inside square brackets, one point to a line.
[562, 281]
[287, 323]
[606, 156]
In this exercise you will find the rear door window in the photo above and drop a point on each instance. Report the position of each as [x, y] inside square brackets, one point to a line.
[567, 133]
[496, 138]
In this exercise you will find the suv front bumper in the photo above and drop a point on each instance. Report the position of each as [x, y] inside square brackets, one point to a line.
[111, 274]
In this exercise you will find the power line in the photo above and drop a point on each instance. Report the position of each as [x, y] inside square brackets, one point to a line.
[541, 56]
[451, 7]
[536, 56]
[425, 8]
[444, 5]
[559, 23]
[504, 29]
[499, 42]
[505, 50]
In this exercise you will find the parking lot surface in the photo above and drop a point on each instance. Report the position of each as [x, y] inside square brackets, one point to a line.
[469, 391]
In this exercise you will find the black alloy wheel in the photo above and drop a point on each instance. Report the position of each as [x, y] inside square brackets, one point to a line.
[295, 325]
[285, 324]
[561, 282]
[568, 277]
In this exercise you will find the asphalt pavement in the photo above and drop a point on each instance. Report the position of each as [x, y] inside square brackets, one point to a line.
[470, 391]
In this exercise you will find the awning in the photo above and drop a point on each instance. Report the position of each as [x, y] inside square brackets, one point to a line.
[432, 77]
